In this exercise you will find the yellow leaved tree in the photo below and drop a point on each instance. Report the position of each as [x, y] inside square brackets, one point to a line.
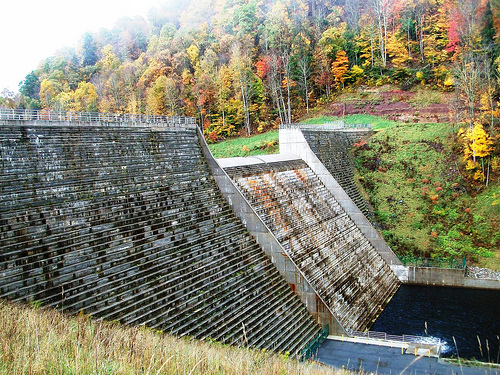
[477, 146]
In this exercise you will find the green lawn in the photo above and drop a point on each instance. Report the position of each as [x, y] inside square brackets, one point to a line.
[259, 144]
[377, 122]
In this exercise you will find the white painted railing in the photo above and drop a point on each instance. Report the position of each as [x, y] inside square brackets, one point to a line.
[398, 338]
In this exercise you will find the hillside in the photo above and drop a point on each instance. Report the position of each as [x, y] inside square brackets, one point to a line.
[422, 200]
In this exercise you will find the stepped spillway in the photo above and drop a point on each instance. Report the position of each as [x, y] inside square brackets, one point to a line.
[127, 223]
[332, 148]
[322, 240]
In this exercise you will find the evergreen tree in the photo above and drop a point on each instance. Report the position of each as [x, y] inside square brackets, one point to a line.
[89, 50]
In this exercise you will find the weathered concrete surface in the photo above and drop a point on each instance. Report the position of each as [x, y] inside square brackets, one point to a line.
[243, 209]
[318, 236]
[481, 283]
[448, 277]
[128, 223]
[292, 142]
[333, 149]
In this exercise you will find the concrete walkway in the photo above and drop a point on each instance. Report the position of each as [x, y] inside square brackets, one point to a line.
[386, 360]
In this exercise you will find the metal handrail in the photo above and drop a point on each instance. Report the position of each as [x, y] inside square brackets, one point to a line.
[448, 263]
[396, 338]
[96, 117]
[315, 343]
[328, 126]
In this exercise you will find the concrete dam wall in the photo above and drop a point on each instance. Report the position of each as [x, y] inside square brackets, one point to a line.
[338, 261]
[128, 223]
[332, 148]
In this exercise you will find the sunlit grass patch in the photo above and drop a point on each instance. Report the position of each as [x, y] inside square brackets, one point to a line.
[377, 122]
[260, 144]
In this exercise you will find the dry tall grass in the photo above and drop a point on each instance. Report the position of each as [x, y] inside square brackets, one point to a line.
[43, 341]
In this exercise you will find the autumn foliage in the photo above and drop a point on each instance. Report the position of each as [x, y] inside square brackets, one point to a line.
[247, 65]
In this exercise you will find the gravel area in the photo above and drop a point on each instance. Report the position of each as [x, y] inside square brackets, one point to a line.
[482, 273]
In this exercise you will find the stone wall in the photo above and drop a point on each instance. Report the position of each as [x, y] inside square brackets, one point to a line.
[320, 238]
[128, 224]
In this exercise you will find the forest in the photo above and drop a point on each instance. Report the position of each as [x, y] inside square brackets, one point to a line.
[242, 67]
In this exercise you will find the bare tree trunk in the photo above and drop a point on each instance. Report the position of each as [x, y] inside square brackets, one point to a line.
[488, 171]
[409, 41]
[421, 27]
[469, 80]
[305, 73]
[240, 64]
[275, 85]
[285, 58]
[382, 12]
[244, 96]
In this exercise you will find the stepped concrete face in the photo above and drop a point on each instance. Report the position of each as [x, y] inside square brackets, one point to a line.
[128, 223]
[332, 148]
[293, 142]
[316, 306]
[337, 260]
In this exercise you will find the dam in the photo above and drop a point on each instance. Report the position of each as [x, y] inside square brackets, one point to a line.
[129, 218]
[316, 233]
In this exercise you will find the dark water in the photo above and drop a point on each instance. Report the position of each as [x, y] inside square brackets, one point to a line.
[463, 314]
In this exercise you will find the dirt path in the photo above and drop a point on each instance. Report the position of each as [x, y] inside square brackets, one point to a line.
[394, 105]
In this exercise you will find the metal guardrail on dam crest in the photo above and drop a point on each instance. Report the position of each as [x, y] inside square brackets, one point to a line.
[127, 119]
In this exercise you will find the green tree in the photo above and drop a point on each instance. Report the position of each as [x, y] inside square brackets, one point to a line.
[89, 50]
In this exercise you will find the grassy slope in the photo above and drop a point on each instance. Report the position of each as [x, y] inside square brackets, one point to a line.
[377, 122]
[420, 198]
[39, 341]
[265, 143]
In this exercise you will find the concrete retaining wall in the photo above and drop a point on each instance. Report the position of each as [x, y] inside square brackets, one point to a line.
[448, 277]
[436, 276]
